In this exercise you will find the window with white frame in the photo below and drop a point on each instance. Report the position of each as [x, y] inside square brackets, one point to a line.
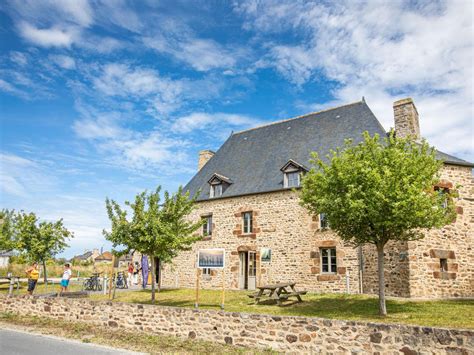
[328, 261]
[292, 179]
[216, 190]
[443, 192]
[323, 221]
[206, 271]
[247, 222]
[207, 226]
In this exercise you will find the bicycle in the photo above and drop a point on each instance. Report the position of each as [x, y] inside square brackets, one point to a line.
[93, 283]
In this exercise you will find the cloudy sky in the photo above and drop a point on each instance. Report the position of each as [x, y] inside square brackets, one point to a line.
[108, 98]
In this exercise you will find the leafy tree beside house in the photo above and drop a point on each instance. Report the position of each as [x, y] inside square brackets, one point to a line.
[378, 191]
[159, 230]
[40, 241]
[7, 230]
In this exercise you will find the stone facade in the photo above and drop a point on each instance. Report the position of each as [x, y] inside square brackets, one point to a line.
[289, 334]
[279, 223]
[413, 269]
[296, 240]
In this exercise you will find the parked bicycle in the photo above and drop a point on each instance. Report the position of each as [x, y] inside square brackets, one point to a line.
[93, 283]
[121, 281]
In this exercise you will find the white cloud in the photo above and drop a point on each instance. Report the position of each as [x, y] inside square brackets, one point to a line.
[64, 61]
[19, 176]
[201, 54]
[383, 51]
[202, 121]
[77, 12]
[18, 58]
[48, 37]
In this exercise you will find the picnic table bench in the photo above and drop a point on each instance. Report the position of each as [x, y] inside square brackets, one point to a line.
[278, 292]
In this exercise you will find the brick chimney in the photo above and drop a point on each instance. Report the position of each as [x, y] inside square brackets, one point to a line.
[406, 119]
[204, 156]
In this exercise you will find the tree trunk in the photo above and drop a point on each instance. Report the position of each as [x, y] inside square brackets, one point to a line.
[380, 262]
[153, 279]
[158, 273]
[45, 276]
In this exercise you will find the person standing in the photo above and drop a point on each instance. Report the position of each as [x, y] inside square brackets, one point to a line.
[33, 275]
[130, 274]
[66, 277]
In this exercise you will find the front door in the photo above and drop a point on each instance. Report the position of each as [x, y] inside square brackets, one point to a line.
[247, 270]
[252, 270]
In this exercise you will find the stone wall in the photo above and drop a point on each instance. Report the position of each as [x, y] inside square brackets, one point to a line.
[291, 334]
[280, 224]
[412, 269]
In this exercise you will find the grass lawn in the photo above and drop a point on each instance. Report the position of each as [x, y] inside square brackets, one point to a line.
[455, 313]
[152, 344]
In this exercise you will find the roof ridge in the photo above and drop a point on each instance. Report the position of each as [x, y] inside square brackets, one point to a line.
[297, 117]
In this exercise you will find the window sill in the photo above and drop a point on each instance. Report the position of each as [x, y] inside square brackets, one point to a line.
[207, 237]
[328, 277]
[247, 235]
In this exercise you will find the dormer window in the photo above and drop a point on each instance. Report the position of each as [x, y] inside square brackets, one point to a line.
[219, 184]
[293, 179]
[216, 190]
[292, 172]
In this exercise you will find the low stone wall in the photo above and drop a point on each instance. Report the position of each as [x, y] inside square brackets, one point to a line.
[295, 334]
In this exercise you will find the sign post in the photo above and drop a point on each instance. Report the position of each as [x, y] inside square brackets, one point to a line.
[210, 259]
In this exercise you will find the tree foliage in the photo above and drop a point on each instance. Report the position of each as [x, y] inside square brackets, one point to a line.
[40, 240]
[7, 230]
[159, 230]
[377, 191]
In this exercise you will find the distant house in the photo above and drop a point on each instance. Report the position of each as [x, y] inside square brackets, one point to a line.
[5, 258]
[86, 257]
[104, 258]
[125, 259]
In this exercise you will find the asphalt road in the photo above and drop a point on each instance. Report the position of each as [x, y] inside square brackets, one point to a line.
[14, 342]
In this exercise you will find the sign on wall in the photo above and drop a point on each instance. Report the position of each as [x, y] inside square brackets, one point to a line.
[266, 255]
[211, 258]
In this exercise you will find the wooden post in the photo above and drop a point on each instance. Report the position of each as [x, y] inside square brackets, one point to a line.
[196, 305]
[10, 288]
[111, 276]
[223, 288]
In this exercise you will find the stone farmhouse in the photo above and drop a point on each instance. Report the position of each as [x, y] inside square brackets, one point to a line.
[252, 210]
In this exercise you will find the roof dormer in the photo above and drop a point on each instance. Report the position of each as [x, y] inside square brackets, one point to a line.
[219, 183]
[292, 172]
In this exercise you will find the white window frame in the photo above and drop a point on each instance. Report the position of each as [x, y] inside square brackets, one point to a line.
[321, 221]
[206, 271]
[287, 179]
[332, 268]
[247, 224]
[216, 190]
[207, 227]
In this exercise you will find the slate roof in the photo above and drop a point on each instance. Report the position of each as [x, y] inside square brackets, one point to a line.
[252, 159]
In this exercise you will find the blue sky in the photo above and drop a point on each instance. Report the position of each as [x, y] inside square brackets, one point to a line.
[108, 98]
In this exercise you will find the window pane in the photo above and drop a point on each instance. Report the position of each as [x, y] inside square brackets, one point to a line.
[293, 179]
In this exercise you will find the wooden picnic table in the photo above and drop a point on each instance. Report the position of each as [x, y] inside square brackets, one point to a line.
[279, 292]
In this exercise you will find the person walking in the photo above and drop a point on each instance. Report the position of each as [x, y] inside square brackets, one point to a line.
[130, 274]
[67, 273]
[33, 275]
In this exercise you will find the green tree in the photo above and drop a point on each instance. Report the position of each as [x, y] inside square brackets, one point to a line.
[7, 230]
[159, 230]
[378, 191]
[40, 241]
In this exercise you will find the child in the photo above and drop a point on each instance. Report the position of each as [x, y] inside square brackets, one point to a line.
[130, 274]
[33, 275]
[66, 276]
